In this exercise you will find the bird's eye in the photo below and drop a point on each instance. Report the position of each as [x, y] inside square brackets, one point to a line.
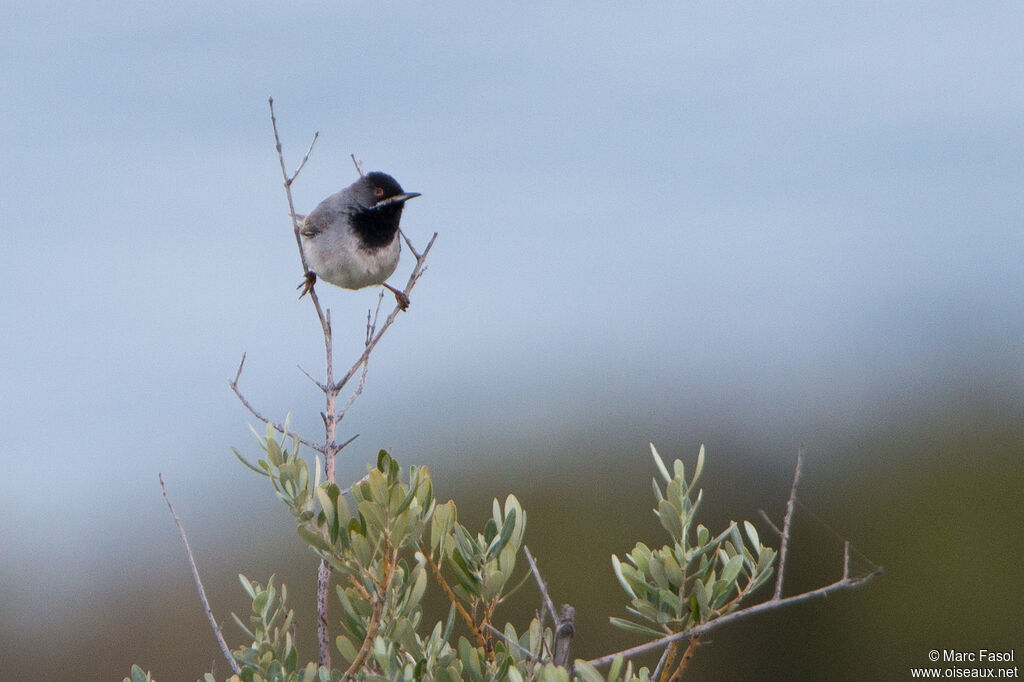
[378, 191]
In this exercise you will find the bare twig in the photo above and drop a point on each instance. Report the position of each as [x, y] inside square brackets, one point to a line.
[358, 164]
[199, 584]
[413, 278]
[541, 584]
[841, 584]
[276, 426]
[666, 659]
[771, 524]
[312, 378]
[288, 180]
[787, 523]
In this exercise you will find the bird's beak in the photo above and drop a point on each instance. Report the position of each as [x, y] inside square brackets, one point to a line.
[397, 199]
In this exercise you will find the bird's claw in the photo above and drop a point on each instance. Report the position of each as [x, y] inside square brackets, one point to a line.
[306, 285]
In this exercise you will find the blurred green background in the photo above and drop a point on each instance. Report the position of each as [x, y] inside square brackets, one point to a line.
[933, 496]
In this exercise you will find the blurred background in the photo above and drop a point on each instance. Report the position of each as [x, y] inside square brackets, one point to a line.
[750, 227]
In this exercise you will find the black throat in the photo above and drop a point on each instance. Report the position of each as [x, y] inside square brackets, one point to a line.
[376, 227]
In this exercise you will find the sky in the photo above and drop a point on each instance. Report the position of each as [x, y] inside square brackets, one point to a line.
[772, 215]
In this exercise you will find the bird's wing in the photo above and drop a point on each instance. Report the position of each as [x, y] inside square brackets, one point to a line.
[315, 223]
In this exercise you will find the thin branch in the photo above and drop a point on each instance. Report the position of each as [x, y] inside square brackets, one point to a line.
[256, 413]
[312, 378]
[841, 584]
[666, 659]
[685, 660]
[463, 613]
[199, 584]
[358, 164]
[371, 633]
[787, 523]
[540, 583]
[771, 524]
[416, 254]
[413, 278]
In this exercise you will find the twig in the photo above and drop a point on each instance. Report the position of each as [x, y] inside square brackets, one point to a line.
[408, 243]
[666, 659]
[413, 278]
[771, 524]
[463, 613]
[371, 633]
[288, 180]
[540, 583]
[256, 413]
[199, 584]
[329, 449]
[685, 660]
[841, 584]
[358, 164]
[787, 523]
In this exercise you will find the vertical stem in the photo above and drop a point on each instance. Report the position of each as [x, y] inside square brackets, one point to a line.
[787, 523]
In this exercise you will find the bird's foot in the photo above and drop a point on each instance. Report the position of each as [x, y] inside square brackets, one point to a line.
[400, 297]
[306, 285]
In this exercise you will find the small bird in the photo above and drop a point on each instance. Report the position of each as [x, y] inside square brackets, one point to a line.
[351, 239]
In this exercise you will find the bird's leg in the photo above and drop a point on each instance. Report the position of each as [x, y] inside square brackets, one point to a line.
[306, 285]
[400, 297]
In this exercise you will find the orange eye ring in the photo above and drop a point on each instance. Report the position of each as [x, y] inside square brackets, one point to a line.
[378, 191]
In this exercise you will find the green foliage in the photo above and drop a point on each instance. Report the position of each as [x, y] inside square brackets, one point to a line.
[387, 537]
[698, 577]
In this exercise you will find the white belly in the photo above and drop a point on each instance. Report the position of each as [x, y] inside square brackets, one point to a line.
[343, 264]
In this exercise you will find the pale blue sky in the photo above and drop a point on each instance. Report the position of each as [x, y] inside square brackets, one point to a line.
[770, 216]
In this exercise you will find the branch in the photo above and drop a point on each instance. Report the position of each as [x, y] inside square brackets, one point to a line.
[844, 583]
[413, 278]
[787, 523]
[199, 584]
[277, 427]
[776, 601]
[540, 583]
[439, 577]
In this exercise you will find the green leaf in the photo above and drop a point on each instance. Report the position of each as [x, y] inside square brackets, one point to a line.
[587, 672]
[660, 463]
[752, 534]
[249, 588]
[617, 567]
[732, 569]
[629, 625]
[246, 462]
[313, 539]
[499, 542]
[700, 466]
[670, 521]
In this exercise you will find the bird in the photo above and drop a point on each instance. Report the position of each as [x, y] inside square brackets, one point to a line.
[351, 238]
